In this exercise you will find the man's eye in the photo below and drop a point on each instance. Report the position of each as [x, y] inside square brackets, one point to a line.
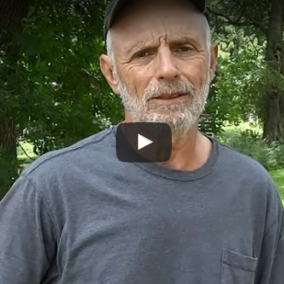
[143, 54]
[185, 48]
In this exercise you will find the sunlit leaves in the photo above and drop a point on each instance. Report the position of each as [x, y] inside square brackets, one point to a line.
[56, 84]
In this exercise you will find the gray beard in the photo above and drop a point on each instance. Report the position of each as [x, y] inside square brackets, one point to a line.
[181, 117]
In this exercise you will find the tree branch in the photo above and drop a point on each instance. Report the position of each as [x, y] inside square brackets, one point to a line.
[238, 22]
[260, 26]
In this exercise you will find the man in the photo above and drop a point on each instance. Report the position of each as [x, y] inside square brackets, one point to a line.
[207, 215]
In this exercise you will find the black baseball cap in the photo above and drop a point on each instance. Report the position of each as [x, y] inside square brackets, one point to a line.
[116, 5]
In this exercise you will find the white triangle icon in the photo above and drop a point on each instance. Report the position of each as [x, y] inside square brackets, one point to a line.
[143, 141]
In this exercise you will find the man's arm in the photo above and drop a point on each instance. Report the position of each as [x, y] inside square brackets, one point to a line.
[27, 238]
[271, 259]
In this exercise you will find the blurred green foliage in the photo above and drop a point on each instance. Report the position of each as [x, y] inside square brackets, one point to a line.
[250, 142]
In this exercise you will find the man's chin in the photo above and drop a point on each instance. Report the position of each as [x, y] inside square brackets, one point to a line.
[167, 117]
[177, 124]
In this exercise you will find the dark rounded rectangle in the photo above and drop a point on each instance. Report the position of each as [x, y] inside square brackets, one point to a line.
[131, 135]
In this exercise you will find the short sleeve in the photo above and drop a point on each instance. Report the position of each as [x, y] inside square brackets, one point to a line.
[271, 260]
[27, 234]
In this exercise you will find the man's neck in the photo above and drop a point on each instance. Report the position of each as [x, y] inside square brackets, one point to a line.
[190, 151]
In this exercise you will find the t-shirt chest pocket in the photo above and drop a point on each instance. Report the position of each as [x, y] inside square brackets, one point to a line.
[237, 268]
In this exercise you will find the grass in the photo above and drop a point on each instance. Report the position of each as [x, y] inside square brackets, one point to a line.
[244, 126]
[278, 177]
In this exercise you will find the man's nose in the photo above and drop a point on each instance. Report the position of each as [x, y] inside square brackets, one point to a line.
[166, 66]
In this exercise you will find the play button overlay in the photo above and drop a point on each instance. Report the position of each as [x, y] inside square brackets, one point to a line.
[143, 142]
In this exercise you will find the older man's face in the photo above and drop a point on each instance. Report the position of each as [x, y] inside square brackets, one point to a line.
[163, 64]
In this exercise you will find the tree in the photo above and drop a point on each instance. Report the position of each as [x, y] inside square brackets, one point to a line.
[274, 116]
[263, 19]
[11, 15]
[53, 93]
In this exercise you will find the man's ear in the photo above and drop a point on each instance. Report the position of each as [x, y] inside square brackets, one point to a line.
[108, 72]
[213, 60]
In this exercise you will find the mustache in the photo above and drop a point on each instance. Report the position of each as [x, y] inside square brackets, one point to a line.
[168, 88]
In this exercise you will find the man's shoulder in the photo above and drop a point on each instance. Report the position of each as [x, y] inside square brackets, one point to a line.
[253, 177]
[95, 146]
[242, 164]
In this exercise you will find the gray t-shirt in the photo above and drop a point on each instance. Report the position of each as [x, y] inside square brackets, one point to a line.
[80, 216]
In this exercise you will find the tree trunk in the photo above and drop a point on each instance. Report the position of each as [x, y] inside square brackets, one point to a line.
[273, 130]
[11, 15]
[8, 158]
